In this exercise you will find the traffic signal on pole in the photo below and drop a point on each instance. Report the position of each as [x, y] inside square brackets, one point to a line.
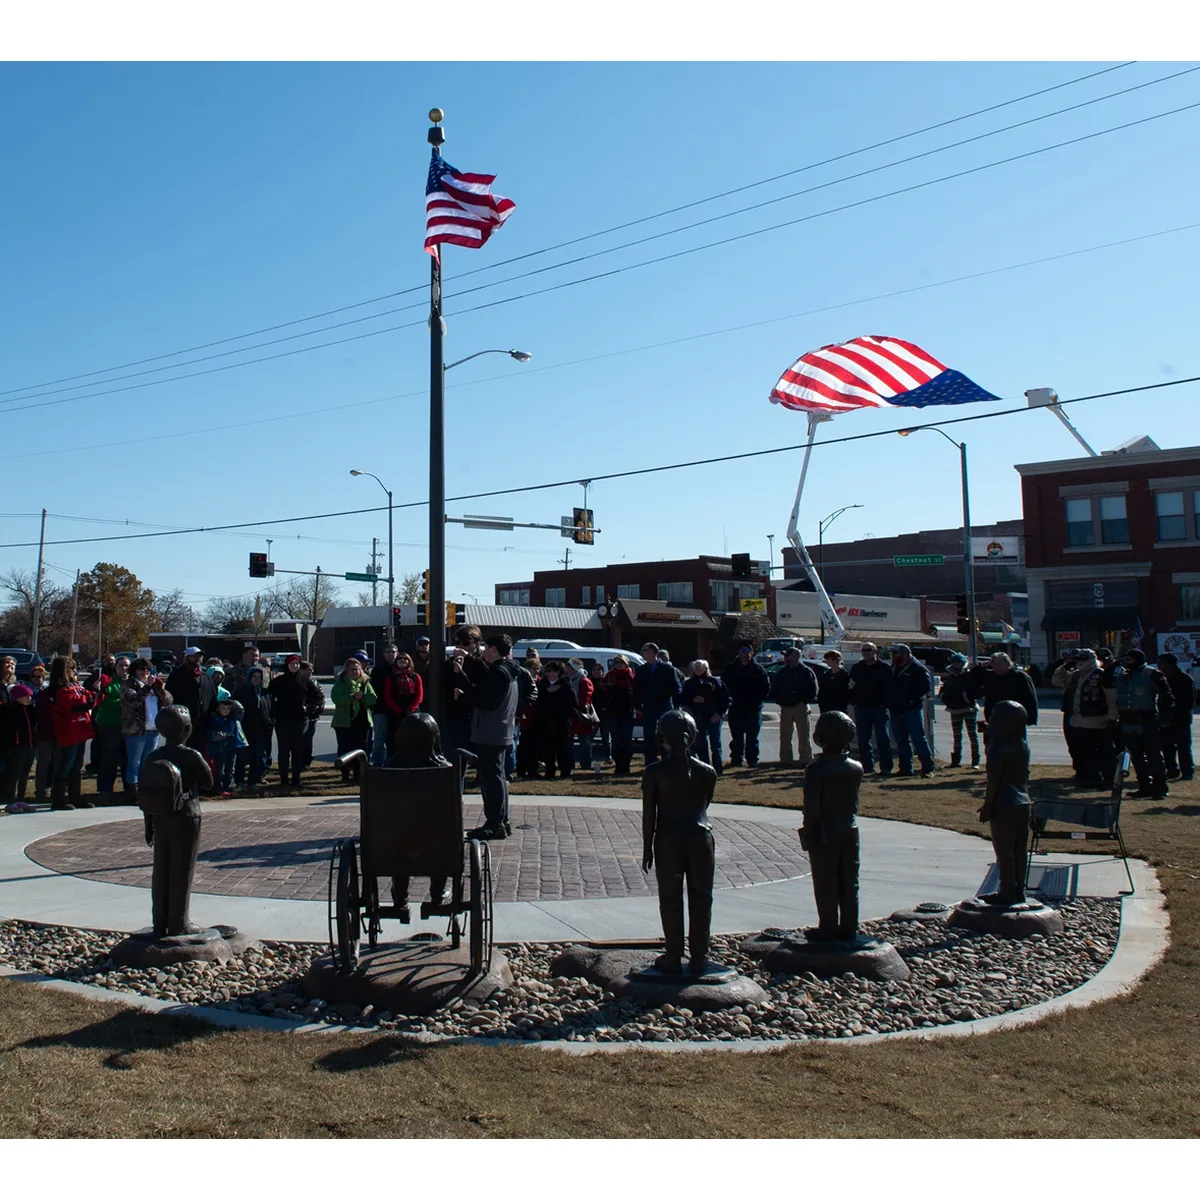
[460, 614]
[451, 613]
[963, 613]
[584, 534]
[424, 597]
[740, 565]
[259, 567]
[396, 616]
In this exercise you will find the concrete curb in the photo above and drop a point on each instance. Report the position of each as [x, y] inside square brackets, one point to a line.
[1141, 944]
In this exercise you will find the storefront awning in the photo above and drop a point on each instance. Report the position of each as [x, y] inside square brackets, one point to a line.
[1090, 618]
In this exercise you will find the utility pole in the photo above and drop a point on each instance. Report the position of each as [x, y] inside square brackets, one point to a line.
[37, 587]
[74, 613]
[566, 559]
[99, 631]
[373, 570]
[437, 458]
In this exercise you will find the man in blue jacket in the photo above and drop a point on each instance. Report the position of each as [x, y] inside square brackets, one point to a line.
[655, 691]
[907, 689]
[748, 687]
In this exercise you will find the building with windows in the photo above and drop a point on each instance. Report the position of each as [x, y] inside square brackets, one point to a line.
[1112, 546]
[705, 583]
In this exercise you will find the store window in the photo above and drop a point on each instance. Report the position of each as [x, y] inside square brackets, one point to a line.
[1189, 602]
[1171, 520]
[585, 596]
[1079, 523]
[675, 593]
[514, 595]
[1114, 528]
[628, 591]
[556, 597]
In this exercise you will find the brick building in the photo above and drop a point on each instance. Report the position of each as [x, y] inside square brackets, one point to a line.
[705, 583]
[866, 567]
[1110, 542]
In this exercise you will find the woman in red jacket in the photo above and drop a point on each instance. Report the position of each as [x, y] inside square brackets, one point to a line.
[71, 715]
[402, 694]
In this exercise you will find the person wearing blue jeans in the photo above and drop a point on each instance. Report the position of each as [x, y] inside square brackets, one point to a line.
[137, 746]
[909, 685]
[867, 721]
[655, 691]
[706, 698]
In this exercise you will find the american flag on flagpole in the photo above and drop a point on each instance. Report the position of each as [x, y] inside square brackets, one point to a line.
[1138, 634]
[460, 209]
[872, 372]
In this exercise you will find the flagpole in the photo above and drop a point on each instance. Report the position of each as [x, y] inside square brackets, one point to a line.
[437, 464]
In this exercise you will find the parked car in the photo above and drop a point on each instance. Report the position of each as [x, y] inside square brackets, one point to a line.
[26, 660]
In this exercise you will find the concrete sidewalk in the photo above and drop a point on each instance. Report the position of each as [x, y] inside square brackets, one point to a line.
[903, 865]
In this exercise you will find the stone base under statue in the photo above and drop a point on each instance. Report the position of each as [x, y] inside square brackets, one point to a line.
[410, 977]
[636, 974]
[216, 944]
[866, 957]
[1006, 920]
[929, 912]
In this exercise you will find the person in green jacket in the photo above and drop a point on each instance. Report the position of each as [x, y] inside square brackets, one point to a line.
[110, 741]
[353, 700]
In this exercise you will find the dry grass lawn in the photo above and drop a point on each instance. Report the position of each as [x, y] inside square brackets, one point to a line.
[1126, 1068]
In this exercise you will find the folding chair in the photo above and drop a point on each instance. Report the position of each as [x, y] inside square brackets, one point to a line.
[1101, 820]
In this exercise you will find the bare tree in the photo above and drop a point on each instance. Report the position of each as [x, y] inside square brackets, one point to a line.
[364, 599]
[21, 586]
[172, 614]
[410, 588]
[303, 597]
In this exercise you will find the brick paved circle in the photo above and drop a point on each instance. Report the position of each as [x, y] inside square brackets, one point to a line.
[555, 853]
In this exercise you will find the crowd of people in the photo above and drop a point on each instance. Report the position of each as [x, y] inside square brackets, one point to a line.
[566, 716]
[237, 710]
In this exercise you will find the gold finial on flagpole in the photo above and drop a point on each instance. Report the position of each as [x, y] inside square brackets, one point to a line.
[436, 115]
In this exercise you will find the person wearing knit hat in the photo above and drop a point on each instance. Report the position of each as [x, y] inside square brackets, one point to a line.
[958, 694]
[18, 737]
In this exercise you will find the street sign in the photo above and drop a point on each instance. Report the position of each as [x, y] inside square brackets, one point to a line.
[918, 560]
[473, 521]
[361, 577]
[568, 527]
[753, 604]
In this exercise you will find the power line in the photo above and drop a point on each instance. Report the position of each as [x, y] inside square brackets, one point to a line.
[613, 249]
[325, 409]
[645, 262]
[584, 237]
[633, 472]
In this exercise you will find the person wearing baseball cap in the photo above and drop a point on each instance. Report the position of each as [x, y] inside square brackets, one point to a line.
[907, 689]
[192, 688]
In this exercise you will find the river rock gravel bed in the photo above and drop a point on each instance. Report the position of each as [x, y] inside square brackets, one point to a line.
[957, 975]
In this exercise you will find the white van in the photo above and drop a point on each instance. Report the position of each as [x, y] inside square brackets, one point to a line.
[555, 648]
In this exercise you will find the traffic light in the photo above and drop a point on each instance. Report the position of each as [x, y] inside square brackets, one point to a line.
[424, 597]
[451, 613]
[963, 613]
[460, 615]
[259, 567]
[396, 616]
[584, 534]
[740, 565]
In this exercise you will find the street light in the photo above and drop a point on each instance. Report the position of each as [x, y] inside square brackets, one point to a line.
[968, 559]
[391, 628]
[522, 356]
[823, 525]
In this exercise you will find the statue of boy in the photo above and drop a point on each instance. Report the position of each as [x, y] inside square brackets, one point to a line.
[678, 841]
[1006, 801]
[829, 834]
[172, 778]
[418, 743]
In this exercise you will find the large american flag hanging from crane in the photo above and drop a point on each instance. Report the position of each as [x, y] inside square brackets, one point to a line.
[872, 372]
[460, 208]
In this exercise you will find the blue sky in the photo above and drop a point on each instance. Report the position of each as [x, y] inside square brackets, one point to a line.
[164, 206]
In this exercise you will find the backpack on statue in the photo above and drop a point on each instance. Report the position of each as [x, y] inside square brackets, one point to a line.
[160, 789]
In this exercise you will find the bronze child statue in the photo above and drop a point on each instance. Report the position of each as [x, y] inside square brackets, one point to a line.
[172, 778]
[678, 842]
[830, 831]
[418, 743]
[1006, 801]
